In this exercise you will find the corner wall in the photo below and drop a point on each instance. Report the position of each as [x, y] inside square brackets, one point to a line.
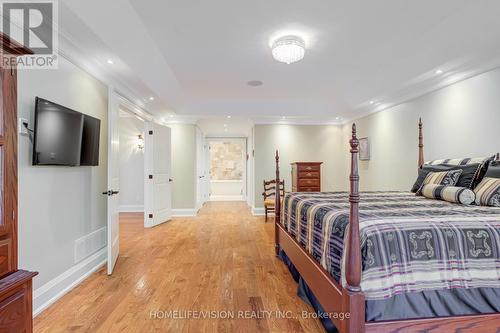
[298, 143]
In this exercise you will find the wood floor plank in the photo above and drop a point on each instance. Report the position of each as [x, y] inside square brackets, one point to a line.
[218, 264]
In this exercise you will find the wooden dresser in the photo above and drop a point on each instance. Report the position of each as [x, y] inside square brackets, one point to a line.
[16, 314]
[306, 176]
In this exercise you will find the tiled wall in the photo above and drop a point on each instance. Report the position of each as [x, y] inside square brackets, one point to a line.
[226, 162]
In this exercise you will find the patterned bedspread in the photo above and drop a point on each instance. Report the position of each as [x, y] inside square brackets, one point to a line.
[408, 243]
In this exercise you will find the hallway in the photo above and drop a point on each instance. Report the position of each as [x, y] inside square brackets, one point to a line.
[169, 278]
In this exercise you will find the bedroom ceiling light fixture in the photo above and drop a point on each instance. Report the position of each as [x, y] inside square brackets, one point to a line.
[372, 102]
[228, 117]
[438, 71]
[109, 61]
[254, 83]
[288, 49]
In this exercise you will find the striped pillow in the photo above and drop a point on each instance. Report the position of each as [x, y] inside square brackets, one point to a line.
[483, 162]
[488, 192]
[452, 194]
[460, 161]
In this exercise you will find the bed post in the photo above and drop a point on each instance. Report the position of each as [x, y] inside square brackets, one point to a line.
[354, 301]
[353, 254]
[277, 206]
[420, 144]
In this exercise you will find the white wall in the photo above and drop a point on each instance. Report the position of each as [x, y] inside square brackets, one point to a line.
[461, 120]
[183, 166]
[58, 205]
[297, 143]
[131, 165]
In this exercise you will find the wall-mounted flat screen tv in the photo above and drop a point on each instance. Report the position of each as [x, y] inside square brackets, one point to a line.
[63, 136]
[90, 141]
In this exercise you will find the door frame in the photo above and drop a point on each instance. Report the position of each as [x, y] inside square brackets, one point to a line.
[244, 155]
[116, 100]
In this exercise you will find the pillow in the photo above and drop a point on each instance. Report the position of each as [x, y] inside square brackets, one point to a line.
[483, 161]
[449, 178]
[453, 194]
[461, 161]
[488, 192]
[493, 170]
[469, 173]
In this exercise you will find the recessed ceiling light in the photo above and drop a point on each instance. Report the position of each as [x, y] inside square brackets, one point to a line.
[439, 71]
[171, 116]
[110, 62]
[283, 117]
[151, 98]
[371, 102]
[228, 117]
[288, 49]
[254, 83]
[337, 118]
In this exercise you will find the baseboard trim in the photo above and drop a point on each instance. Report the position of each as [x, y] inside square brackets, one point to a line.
[50, 292]
[258, 211]
[131, 208]
[226, 198]
[184, 212]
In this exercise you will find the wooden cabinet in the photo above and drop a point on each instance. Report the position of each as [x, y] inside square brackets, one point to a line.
[15, 285]
[306, 176]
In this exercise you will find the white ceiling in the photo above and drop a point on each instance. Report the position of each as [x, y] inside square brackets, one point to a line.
[196, 56]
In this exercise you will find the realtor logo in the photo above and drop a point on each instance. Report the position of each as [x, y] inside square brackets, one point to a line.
[31, 24]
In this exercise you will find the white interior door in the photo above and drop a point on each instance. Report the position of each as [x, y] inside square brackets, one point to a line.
[158, 189]
[200, 169]
[112, 192]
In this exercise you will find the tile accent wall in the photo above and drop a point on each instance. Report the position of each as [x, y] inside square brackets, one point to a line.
[226, 162]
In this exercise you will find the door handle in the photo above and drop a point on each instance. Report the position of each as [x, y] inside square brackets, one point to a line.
[110, 192]
[170, 180]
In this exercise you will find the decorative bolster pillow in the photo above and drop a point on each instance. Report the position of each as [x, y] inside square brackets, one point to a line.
[448, 178]
[488, 192]
[454, 194]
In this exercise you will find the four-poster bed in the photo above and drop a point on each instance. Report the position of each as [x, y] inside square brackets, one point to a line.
[337, 297]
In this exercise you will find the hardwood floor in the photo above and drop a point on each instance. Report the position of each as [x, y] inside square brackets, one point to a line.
[222, 260]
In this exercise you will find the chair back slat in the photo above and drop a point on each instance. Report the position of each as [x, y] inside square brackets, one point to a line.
[270, 188]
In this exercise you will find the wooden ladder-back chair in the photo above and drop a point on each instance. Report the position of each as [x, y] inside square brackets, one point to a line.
[269, 194]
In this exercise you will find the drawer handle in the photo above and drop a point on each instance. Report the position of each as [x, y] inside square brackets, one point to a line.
[309, 182]
[308, 174]
[308, 168]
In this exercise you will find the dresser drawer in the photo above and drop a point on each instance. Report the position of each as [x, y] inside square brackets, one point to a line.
[308, 189]
[309, 174]
[309, 182]
[307, 167]
[5, 257]
[14, 312]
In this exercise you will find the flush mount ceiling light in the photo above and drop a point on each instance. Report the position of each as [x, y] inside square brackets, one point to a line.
[288, 49]
[254, 83]
[438, 71]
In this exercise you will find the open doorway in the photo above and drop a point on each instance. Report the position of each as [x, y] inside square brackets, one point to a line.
[131, 162]
[139, 179]
[227, 163]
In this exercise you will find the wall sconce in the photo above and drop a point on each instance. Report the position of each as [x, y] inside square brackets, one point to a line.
[140, 142]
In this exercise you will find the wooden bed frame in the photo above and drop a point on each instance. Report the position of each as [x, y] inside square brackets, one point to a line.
[350, 301]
